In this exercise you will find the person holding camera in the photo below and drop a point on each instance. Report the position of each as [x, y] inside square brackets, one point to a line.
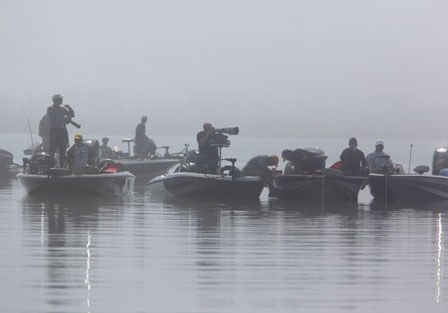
[59, 116]
[208, 158]
[378, 160]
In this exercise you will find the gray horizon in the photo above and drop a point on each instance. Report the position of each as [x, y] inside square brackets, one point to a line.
[278, 69]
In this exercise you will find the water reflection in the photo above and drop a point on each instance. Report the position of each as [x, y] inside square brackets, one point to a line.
[63, 250]
[104, 255]
[439, 255]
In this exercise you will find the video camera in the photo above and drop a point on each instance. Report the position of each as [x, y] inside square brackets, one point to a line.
[218, 139]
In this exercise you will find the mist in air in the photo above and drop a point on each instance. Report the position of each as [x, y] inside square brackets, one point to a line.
[274, 68]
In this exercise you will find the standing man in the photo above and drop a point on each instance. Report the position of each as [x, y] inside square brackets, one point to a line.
[353, 160]
[59, 117]
[143, 144]
[208, 158]
[378, 160]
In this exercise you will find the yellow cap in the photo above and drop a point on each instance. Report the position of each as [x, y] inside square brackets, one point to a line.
[78, 136]
[276, 159]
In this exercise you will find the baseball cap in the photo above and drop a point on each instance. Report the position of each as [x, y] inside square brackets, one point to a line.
[379, 142]
[57, 96]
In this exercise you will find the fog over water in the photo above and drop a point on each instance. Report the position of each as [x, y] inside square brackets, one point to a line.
[274, 68]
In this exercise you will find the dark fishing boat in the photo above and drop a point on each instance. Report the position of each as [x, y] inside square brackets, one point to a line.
[330, 186]
[205, 186]
[412, 188]
[408, 187]
[6, 164]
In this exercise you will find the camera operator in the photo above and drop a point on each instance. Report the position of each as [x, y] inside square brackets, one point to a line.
[59, 117]
[208, 158]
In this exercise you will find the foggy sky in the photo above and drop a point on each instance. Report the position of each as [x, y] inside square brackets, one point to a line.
[274, 68]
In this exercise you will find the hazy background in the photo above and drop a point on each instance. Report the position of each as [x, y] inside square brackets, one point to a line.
[274, 68]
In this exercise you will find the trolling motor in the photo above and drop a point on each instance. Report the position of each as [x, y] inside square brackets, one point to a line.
[233, 171]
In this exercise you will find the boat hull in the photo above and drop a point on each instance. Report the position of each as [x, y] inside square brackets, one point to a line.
[317, 188]
[6, 159]
[195, 185]
[409, 188]
[145, 170]
[115, 184]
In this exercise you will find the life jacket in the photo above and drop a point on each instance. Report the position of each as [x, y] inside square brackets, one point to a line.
[337, 165]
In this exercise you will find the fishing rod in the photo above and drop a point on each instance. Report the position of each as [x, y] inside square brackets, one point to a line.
[410, 158]
[31, 133]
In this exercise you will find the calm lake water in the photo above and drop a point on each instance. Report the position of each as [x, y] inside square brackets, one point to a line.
[136, 254]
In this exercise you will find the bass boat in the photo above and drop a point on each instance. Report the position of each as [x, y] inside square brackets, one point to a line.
[329, 186]
[106, 179]
[316, 183]
[146, 168]
[409, 188]
[221, 186]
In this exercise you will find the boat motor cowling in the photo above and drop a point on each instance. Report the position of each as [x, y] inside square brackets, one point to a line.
[94, 149]
[439, 160]
[40, 162]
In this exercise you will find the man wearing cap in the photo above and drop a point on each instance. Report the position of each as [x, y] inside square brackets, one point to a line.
[353, 160]
[143, 144]
[59, 117]
[296, 161]
[79, 158]
[106, 151]
[378, 160]
[259, 166]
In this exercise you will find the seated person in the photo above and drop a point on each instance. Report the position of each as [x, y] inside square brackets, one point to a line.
[144, 146]
[106, 151]
[208, 158]
[353, 160]
[297, 160]
[259, 166]
[378, 161]
[79, 159]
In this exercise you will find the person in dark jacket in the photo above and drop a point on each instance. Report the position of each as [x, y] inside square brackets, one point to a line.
[296, 161]
[353, 160]
[59, 117]
[144, 145]
[208, 158]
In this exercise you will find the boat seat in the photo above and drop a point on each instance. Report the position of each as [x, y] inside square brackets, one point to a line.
[421, 169]
[112, 167]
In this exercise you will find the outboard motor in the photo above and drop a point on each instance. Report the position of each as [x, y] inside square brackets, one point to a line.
[40, 162]
[439, 160]
[94, 149]
[188, 164]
